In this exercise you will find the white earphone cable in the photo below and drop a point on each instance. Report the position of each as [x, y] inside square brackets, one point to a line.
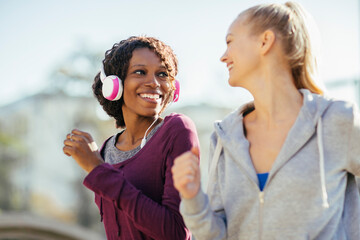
[143, 141]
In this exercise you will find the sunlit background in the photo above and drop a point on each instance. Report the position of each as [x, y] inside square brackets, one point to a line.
[49, 54]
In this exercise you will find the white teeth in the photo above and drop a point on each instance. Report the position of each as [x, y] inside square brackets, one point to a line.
[151, 96]
[230, 66]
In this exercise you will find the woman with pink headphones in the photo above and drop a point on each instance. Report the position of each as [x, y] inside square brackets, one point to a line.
[131, 174]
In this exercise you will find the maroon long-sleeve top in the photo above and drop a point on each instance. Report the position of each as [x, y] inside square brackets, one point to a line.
[137, 198]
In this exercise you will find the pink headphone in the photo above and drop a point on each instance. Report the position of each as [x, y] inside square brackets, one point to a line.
[112, 88]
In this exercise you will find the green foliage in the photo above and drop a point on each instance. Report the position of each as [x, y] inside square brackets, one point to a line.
[11, 153]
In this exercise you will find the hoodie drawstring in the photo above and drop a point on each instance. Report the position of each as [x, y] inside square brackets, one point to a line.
[117, 220]
[214, 161]
[101, 210]
[325, 203]
[116, 215]
[101, 199]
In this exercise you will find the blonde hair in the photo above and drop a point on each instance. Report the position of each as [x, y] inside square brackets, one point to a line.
[291, 23]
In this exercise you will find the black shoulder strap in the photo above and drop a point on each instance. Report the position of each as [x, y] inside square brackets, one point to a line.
[102, 149]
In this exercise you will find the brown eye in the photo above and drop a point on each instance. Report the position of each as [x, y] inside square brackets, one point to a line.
[163, 74]
[139, 72]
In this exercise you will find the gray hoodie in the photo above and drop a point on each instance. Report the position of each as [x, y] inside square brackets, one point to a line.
[311, 192]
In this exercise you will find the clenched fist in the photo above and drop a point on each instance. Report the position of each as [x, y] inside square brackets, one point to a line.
[83, 149]
[186, 173]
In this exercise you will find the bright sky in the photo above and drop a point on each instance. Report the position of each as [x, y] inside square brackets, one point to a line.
[38, 34]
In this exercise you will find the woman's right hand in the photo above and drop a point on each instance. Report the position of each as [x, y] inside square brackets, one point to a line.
[186, 173]
[83, 149]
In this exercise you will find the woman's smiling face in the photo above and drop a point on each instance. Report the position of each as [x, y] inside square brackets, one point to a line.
[241, 55]
[147, 85]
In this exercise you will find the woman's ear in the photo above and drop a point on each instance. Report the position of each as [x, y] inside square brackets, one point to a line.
[267, 41]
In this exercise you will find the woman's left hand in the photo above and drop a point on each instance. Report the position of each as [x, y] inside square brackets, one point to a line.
[186, 173]
[83, 149]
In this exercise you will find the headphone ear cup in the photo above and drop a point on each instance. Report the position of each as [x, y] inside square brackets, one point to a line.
[112, 88]
[177, 91]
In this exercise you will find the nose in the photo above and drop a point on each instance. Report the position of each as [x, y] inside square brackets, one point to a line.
[152, 81]
[223, 58]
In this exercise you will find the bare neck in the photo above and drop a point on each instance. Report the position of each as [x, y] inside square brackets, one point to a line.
[135, 130]
[276, 98]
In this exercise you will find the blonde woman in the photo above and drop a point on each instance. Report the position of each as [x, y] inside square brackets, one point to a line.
[282, 166]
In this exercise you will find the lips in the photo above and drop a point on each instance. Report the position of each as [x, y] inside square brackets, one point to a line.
[151, 97]
[230, 66]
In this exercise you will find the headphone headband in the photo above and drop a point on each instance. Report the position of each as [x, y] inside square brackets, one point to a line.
[102, 73]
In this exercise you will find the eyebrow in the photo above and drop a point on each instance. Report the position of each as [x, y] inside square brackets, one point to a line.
[137, 65]
[144, 65]
[228, 35]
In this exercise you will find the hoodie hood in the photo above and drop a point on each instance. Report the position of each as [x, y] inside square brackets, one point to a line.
[230, 132]
[313, 108]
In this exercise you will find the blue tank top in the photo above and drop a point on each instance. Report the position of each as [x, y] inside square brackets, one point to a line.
[262, 180]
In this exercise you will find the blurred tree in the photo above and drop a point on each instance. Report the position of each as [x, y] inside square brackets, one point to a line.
[74, 73]
[6, 160]
[12, 153]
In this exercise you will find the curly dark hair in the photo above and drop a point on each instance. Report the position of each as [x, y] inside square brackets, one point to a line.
[116, 62]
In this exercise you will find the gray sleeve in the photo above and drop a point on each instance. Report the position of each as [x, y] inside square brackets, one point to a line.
[204, 214]
[354, 143]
